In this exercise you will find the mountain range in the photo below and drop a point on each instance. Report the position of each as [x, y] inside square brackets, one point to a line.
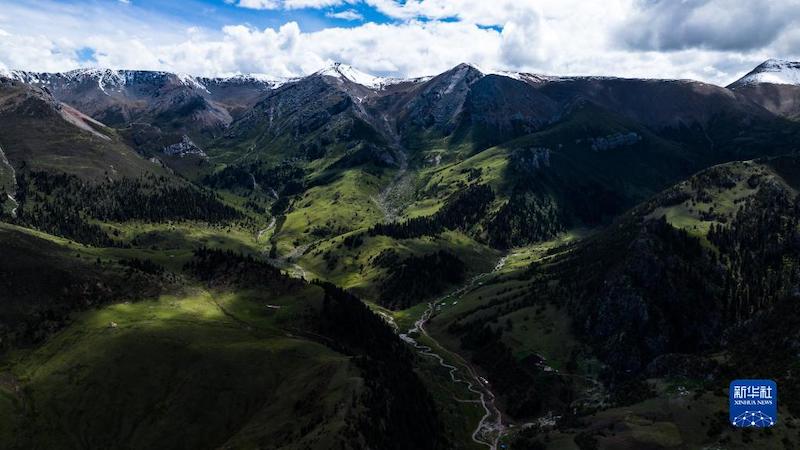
[238, 260]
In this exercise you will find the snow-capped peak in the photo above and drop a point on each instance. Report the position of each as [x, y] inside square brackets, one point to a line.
[772, 71]
[343, 71]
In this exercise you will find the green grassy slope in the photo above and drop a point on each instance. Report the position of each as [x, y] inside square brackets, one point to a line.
[44, 278]
[213, 367]
[583, 311]
[256, 361]
[354, 267]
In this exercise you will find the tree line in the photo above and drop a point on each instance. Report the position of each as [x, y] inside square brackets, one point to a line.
[67, 206]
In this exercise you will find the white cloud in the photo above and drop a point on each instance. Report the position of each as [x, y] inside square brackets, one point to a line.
[3, 69]
[256, 4]
[348, 14]
[710, 24]
[568, 37]
[316, 4]
[288, 4]
[480, 12]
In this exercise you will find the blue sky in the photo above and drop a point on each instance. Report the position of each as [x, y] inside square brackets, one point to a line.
[215, 14]
[710, 40]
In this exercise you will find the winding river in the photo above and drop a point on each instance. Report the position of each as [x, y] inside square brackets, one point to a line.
[490, 428]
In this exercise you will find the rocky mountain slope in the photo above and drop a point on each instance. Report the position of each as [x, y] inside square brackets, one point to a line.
[38, 131]
[120, 97]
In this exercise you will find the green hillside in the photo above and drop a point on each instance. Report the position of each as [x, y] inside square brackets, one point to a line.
[240, 357]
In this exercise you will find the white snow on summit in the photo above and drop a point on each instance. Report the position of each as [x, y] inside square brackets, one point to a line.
[343, 71]
[105, 77]
[774, 71]
[188, 80]
[349, 73]
[269, 80]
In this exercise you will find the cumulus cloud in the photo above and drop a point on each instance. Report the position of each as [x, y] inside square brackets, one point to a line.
[522, 38]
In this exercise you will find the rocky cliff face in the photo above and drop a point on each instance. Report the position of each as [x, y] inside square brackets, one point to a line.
[185, 148]
[437, 103]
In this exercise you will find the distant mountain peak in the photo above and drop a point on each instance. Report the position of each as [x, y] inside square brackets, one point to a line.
[469, 65]
[771, 71]
[519, 76]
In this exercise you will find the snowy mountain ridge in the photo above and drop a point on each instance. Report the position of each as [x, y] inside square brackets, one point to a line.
[772, 71]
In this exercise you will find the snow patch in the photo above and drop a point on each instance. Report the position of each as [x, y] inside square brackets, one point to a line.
[105, 78]
[536, 78]
[188, 80]
[391, 81]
